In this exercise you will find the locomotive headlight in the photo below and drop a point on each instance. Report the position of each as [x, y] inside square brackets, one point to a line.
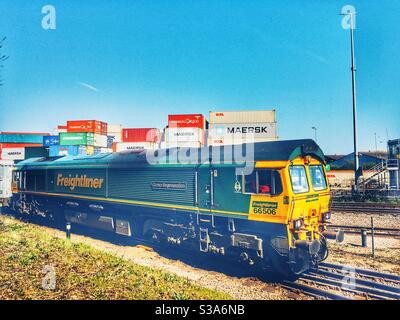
[326, 216]
[298, 223]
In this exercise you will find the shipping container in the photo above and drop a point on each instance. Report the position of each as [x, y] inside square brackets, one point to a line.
[19, 145]
[73, 150]
[169, 145]
[114, 128]
[224, 117]
[6, 169]
[60, 129]
[22, 137]
[136, 146]
[140, 135]
[186, 121]
[13, 153]
[100, 141]
[184, 135]
[227, 141]
[76, 138]
[93, 126]
[50, 141]
[238, 130]
[110, 140]
[23, 153]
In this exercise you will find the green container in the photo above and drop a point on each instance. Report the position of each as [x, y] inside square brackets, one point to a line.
[76, 138]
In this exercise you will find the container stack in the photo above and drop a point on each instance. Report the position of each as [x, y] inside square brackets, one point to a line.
[18, 146]
[114, 136]
[184, 131]
[82, 137]
[237, 127]
[138, 139]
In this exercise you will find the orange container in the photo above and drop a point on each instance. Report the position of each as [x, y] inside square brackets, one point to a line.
[94, 126]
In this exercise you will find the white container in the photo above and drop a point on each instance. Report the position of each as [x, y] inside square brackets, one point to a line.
[117, 136]
[169, 145]
[57, 131]
[243, 116]
[6, 168]
[13, 154]
[136, 146]
[114, 128]
[184, 135]
[100, 140]
[226, 141]
[243, 130]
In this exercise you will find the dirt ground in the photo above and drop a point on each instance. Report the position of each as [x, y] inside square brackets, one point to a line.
[387, 250]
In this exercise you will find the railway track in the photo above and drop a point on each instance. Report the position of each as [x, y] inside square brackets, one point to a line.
[338, 282]
[366, 207]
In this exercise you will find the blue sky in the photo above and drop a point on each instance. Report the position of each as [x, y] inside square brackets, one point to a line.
[134, 62]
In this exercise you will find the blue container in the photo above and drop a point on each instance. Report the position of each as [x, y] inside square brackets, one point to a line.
[57, 150]
[50, 141]
[110, 140]
[21, 138]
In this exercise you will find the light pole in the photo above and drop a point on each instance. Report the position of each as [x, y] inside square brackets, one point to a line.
[357, 169]
[315, 133]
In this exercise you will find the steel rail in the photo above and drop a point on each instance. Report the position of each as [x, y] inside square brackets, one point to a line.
[312, 291]
[357, 289]
[363, 272]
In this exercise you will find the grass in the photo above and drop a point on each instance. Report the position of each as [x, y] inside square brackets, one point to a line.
[29, 257]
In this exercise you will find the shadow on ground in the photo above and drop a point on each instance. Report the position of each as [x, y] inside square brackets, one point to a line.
[208, 262]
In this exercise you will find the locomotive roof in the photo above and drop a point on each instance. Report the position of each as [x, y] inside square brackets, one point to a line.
[263, 151]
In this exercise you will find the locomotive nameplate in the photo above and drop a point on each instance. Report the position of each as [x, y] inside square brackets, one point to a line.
[179, 186]
[264, 207]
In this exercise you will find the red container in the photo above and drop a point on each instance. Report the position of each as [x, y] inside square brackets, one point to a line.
[62, 127]
[19, 145]
[186, 121]
[140, 135]
[94, 126]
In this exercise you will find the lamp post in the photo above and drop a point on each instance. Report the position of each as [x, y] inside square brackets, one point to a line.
[315, 133]
[357, 169]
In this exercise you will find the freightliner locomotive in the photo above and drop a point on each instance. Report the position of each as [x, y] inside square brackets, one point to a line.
[273, 215]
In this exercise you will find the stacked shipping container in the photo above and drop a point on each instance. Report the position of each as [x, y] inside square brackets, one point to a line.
[237, 127]
[18, 146]
[138, 139]
[185, 131]
[79, 137]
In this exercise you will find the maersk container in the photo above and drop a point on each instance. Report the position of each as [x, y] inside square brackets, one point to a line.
[243, 130]
[23, 153]
[264, 116]
[135, 146]
[70, 150]
[50, 141]
[184, 135]
[76, 138]
[13, 153]
[22, 137]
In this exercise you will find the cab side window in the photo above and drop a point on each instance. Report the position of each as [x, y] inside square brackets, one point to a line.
[263, 181]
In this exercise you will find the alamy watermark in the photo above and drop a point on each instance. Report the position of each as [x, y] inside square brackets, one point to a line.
[349, 17]
[49, 279]
[49, 18]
